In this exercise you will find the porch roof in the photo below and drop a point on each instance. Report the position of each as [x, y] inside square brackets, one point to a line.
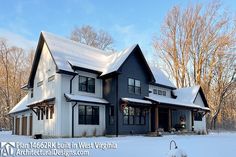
[87, 99]
[175, 102]
[20, 106]
[139, 101]
[41, 102]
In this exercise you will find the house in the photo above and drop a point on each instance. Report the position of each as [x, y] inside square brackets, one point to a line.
[76, 90]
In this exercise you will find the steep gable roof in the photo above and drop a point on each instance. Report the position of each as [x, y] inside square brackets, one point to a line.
[68, 55]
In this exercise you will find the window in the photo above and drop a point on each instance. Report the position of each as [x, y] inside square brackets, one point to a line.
[162, 92]
[89, 115]
[154, 91]
[51, 112]
[134, 116]
[40, 83]
[198, 116]
[51, 78]
[111, 115]
[86, 84]
[134, 86]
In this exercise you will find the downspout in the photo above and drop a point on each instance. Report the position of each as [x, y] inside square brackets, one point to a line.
[71, 83]
[73, 107]
[72, 126]
[117, 108]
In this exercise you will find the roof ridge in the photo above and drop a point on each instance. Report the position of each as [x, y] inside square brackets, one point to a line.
[76, 42]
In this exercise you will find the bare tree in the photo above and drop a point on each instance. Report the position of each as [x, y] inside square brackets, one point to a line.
[14, 72]
[89, 36]
[196, 45]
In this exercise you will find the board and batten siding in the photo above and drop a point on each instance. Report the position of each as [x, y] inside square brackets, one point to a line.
[48, 89]
[66, 107]
[200, 125]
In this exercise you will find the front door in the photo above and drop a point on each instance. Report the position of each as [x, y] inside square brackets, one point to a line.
[164, 118]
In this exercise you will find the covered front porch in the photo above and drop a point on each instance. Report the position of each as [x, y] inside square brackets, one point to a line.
[171, 115]
[171, 119]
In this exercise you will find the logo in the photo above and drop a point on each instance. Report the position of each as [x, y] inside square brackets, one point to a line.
[6, 148]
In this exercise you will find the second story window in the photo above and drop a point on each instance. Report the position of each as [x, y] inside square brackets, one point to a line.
[154, 91]
[134, 86]
[86, 84]
[162, 92]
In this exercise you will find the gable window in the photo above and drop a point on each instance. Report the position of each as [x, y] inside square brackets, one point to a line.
[134, 116]
[197, 116]
[51, 78]
[40, 83]
[86, 84]
[159, 92]
[88, 115]
[134, 86]
[164, 93]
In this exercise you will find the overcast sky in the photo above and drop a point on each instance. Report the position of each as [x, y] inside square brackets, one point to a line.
[128, 21]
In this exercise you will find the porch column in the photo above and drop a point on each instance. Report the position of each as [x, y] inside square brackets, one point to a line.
[156, 118]
[192, 120]
[170, 118]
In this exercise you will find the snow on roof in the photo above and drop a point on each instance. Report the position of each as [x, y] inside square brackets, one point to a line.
[66, 52]
[160, 77]
[187, 94]
[83, 98]
[20, 106]
[117, 60]
[136, 100]
[175, 102]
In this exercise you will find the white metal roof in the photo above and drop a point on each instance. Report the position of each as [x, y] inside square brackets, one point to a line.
[174, 102]
[83, 98]
[136, 100]
[187, 94]
[20, 106]
[160, 77]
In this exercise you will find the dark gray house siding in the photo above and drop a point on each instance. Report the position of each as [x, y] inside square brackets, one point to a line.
[134, 67]
[109, 93]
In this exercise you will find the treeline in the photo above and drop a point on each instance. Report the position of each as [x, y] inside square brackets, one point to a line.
[15, 64]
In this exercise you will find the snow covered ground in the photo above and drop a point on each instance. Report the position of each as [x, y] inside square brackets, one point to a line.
[212, 145]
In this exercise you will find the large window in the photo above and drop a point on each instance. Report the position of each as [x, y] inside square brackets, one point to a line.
[88, 115]
[86, 84]
[134, 86]
[134, 116]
